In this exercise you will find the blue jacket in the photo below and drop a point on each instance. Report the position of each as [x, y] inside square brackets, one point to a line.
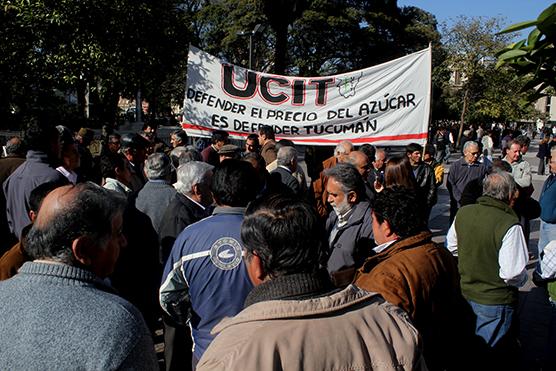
[205, 278]
[548, 200]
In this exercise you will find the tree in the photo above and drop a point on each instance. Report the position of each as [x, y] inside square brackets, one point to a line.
[104, 48]
[471, 46]
[534, 58]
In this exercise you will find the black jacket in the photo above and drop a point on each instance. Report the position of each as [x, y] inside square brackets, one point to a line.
[180, 213]
[424, 176]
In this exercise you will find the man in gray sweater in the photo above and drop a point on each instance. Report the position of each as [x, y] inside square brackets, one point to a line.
[58, 312]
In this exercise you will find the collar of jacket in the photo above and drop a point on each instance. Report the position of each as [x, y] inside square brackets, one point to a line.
[228, 210]
[404, 244]
[292, 309]
[37, 156]
[291, 287]
[492, 202]
[357, 214]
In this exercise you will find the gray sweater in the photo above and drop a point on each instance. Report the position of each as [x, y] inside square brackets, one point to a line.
[153, 200]
[54, 316]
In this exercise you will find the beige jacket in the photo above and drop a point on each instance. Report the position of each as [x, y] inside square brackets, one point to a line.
[349, 330]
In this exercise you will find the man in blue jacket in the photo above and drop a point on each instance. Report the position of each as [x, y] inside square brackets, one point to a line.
[547, 230]
[205, 278]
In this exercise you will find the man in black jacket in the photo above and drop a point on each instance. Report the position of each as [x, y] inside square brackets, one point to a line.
[424, 176]
[189, 205]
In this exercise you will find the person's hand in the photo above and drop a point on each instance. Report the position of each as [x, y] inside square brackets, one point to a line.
[378, 186]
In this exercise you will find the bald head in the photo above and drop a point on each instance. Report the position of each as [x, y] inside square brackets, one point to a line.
[71, 216]
[54, 205]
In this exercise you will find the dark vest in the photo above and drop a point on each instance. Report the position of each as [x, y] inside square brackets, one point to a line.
[480, 229]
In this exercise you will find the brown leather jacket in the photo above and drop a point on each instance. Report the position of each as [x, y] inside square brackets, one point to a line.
[420, 277]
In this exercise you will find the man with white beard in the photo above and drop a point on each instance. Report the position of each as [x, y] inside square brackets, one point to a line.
[349, 227]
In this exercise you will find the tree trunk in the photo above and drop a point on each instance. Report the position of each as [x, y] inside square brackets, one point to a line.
[462, 118]
[281, 49]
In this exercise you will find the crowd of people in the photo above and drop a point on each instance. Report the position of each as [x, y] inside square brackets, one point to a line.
[246, 262]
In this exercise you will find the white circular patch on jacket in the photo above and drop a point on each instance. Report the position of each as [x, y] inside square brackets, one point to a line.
[225, 253]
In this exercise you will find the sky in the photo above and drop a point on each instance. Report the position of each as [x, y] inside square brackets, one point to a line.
[514, 11]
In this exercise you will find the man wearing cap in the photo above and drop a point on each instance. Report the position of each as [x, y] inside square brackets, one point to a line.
[229, 151]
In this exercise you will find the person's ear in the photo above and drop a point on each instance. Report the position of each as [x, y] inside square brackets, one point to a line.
[352, 197]
[255, 269]
[387, 229]
[83, 249]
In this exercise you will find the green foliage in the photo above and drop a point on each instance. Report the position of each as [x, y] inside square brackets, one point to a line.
[490, 94]
[534, 58]
[113, 47]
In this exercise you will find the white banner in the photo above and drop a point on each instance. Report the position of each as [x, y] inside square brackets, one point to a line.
[387, 104]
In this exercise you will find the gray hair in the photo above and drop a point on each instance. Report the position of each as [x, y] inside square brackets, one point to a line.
[343, 148]
[15, 146]
[470, 143]
[158, 166]
[191, 173]
[499, 185]
[89, 214]
[286, 155]
[348, 177]
[181, 155]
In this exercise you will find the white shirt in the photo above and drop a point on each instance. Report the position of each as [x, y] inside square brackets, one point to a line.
[70, 175]
[512, 257]
[380, 248]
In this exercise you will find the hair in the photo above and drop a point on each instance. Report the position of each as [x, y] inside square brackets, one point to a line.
[254, 137]
[286, 234]
[253, 157]
[501, 165]
[470, 143]
[429, 149]
[368, 150]
[158, 166]
[348, 177]
[190, 174]
[149, 124]
[39, 193]
[286, 155]
[341, 148]
[181, 134]
[15, 146]
[109, 162]
[39, 135]
[523, 140]
[413, 147]
[89, 214]
[114, 136]
[234, 183]
[499, 185]
[219, 136]
[267, 131]
[66, 137]
[284, 143]
[181, 155]
[398, 173]
[398, 206]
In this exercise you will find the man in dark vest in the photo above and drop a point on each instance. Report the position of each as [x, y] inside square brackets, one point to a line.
[489, 242]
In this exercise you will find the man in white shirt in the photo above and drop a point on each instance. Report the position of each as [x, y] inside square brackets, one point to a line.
[492, 252]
